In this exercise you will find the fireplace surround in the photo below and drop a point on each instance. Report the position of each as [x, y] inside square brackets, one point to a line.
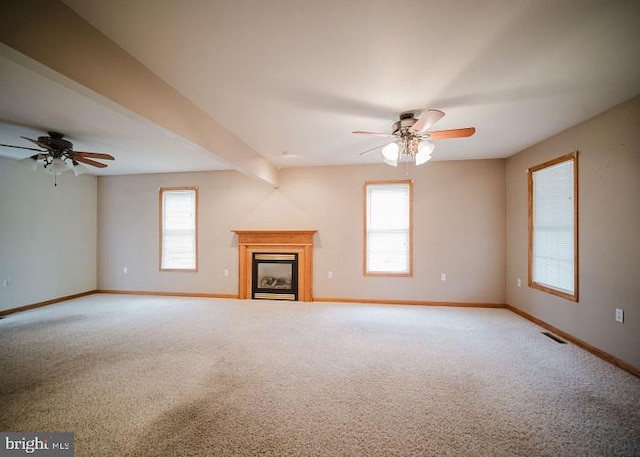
[265, 244]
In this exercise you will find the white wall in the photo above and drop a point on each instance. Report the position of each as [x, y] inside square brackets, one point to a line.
[459, 223]
[609, 227]
[47, 235]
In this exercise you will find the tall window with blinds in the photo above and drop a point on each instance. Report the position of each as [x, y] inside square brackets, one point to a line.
[178, 228]
[553, 227]
[388, 228]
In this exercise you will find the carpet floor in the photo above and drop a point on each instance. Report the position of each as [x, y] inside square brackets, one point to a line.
[158, 376]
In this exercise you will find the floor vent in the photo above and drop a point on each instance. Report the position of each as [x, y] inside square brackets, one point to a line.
[554, 338]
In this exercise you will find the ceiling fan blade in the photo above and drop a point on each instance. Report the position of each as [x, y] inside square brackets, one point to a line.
[88, 161]
[455, 133]
[372, 149]
[35, 157]
[42, 145]
[20, 147]
[426, 120]
[93, 155]
[386, 135]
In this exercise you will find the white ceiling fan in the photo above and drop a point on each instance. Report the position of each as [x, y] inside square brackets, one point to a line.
[411, 138]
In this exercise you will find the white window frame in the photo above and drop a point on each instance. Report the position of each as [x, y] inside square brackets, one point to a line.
[163, 230]
[408, 228]
[539, 226]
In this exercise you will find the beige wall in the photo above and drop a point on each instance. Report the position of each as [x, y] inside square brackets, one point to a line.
[459, 222]
[47, 235]
[609, 221]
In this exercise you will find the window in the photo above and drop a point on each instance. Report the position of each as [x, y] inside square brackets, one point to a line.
[178, 228]
[553, 227]
[388, 228]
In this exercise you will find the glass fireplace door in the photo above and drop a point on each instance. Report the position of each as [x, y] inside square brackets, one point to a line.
[275, 276]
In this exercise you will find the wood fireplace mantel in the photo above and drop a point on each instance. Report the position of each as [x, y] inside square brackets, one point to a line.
[281, 241]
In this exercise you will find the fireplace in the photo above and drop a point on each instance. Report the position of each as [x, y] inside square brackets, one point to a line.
[274, 276]
[283, 257]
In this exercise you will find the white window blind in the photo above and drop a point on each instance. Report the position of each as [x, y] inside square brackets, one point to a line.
[178, 229]
[388, 228]
[553, 261]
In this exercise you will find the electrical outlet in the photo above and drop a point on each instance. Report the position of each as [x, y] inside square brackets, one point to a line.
[125, 270]
[329, 274]
[226, 272]
[443, 276]
[620, 315]
[519, 282]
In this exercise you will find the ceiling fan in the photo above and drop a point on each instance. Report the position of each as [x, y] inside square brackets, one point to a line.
[411, 138]
[57, 154]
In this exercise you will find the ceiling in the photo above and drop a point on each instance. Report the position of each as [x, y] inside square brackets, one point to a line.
[33, 104]
[292, 79]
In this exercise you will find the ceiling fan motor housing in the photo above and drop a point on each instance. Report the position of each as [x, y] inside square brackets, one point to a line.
[406, 121]
[55, 142]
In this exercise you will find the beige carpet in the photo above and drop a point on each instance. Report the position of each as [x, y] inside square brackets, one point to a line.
[155, 376]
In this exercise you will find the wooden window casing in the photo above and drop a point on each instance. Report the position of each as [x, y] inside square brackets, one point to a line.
[164, 264]
[535, 259]
[406, 226]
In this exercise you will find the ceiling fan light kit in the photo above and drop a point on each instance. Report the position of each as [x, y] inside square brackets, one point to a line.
[412, 140]
[58, 166]
[391, 153]
[424, 152]
[57, 155]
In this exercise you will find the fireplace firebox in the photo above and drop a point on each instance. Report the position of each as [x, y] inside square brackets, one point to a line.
[298, 242]
[274, 276]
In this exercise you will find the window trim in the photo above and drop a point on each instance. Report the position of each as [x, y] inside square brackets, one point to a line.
[197, 222]
[364, 229]
[565, 158]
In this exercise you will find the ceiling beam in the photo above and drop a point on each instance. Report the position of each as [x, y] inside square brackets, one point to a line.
[53, 35]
